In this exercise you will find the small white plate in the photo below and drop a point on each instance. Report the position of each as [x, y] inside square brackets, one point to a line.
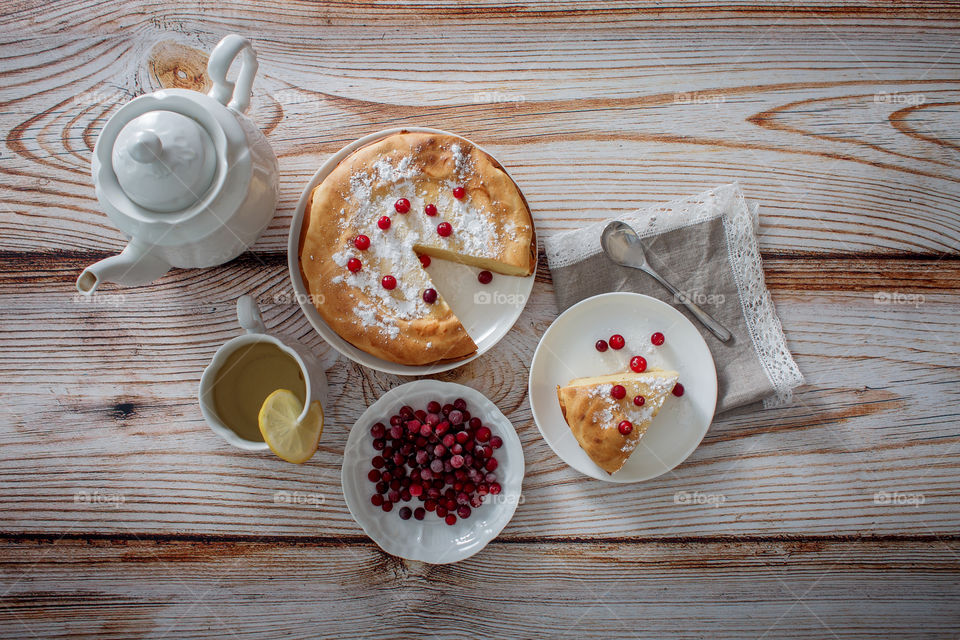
[486, 311]
[431, 539]
[567, 351]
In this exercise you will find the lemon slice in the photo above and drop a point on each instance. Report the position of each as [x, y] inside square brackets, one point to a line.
[291, 439]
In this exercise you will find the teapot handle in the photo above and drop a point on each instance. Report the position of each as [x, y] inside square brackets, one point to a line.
[235, 96]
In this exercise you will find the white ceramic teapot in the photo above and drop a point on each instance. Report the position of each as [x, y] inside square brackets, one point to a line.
[186, 176]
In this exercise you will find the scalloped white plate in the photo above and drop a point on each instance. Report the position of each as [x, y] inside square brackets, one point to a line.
[486, 311]
[566, 351]
[431, 539]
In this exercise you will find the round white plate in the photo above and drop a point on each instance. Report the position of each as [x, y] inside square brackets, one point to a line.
[486, 311]
[431, 539]
[567, 351]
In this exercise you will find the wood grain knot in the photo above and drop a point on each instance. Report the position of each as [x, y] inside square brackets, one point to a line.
[177, 66]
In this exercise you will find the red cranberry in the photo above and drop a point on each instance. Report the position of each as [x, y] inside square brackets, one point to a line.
[639, 400]
[460, 404]
[490, 477]
[387, 506]
[601, 345]
[462, 437]
[405, 513]
[456, 417]
[495, 488]
[459, 193]
[464, 511]
[475, 423]
[496, 442]
[416, 490]
[625, 427]
[384, 222]
[429, 296]
[447, 408]
[353, 264]
[678, 389]
[389, 282]
[618, 392]
[657, 338]
[379, 444]
[361, 242]
[449, 440]
[430, 505]
[425, 261]
[377, 462]
[491, 464]
[402, 205]
[450, 519]
[484, 277]
[456, 461]
[444, 229]
[441, 511]
[430, 209]
[433, 406]
[394, 495]
[376, 499]
[395, 420]
[382, 487]
[419, 513]
[483, 434]
[638, 364]
[373, 475]
[617, 341]
[475, 501]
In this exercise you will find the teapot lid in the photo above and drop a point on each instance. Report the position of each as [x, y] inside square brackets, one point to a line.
[164, 161]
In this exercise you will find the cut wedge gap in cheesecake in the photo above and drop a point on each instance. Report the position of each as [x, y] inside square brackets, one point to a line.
[604, 416]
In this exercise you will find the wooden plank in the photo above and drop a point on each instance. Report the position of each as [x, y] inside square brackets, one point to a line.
[199, 589]
[101, 393]
[841, 130]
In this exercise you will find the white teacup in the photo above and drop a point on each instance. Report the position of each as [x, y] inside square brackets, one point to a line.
[247, 369]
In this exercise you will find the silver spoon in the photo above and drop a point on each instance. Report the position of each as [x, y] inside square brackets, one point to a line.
[622, 245]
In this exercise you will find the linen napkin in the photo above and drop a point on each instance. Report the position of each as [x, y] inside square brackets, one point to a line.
[706, 246]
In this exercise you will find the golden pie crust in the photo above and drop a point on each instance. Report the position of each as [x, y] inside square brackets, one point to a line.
[593, 414]
[492, 229]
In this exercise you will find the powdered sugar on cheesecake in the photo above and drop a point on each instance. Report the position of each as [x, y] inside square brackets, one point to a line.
[373, 193]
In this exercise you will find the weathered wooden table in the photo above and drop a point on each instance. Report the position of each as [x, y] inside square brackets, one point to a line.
[123, 515]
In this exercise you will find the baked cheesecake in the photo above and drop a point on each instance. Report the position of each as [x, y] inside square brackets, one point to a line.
[374, 223]
[609, 414]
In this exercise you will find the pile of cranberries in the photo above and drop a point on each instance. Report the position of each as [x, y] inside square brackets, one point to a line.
[440, 456]
[638, 364]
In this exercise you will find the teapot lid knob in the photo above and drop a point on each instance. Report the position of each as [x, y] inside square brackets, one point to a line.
[164, 161]
[146, 147]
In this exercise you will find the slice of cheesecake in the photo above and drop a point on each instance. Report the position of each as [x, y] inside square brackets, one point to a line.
[595, 415]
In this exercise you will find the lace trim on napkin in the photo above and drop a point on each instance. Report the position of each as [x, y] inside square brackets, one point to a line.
[740, 223]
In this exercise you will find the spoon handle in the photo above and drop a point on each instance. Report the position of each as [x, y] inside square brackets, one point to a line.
[715, 327]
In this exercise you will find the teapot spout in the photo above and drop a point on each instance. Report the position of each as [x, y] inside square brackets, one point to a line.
[136, 264]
